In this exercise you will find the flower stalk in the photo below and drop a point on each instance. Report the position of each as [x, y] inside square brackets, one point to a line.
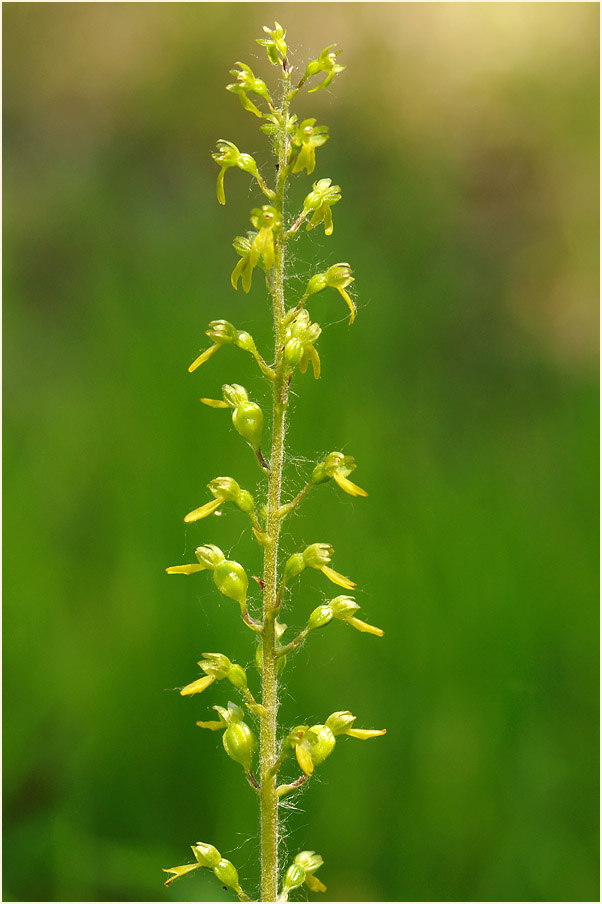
[295, 338]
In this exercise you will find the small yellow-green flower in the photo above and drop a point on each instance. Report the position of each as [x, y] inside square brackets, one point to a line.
[246, 82]
[208, 856]
[224, 333]
[299, 341]
[229, 577]
[225, 489]
[322, 197]
[247, 416]
[227, 156]
[342, 608]
[318, 555]
[308, 136]
[337, 466]
[326, 62]
[302, 870]
[336, 277]
[238, 739]
[216, 667]
[275, 44]
[257, 248]
[313, 745]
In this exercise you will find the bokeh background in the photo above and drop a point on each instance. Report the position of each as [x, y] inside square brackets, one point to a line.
[465, 138]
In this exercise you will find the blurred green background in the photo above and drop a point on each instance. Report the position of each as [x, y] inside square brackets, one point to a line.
[465, 138]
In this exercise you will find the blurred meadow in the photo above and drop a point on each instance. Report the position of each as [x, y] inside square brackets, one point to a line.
[465, 140]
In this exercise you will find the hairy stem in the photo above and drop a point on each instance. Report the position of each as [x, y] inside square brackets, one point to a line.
[267, 738]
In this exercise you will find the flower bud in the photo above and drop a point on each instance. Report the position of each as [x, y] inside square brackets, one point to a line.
[209, 556]
[319, 474]
[227, 874]
[321, 741]
[294, 878]
[248, 421]
[339, 722]
[237, 676]
[239, 743]
[319, 617]
[293, 352]
[294, 566]
[206, 854]
[231, 579]
[245, 502]
[246, 342]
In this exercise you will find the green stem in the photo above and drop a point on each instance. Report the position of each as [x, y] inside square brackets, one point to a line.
[267, 736]
[283, 651]
[286, 509]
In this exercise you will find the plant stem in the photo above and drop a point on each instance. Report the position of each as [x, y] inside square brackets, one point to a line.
[267, 737]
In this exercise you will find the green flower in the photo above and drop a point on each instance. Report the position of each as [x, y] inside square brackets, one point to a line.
[275, 44]
[313, 745]
[337, 466]
[326, 62]
[320, 200]
[257, 248]
[308, 137]
[245, 82]
[209, 856]
[247, 416]
[343, 608]
[299, 349]
[227, 156]
[238, 739]
[302, 870]
[216, 667]
[318, 556]
[336, 277]
[224, 489]
[229, 577]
